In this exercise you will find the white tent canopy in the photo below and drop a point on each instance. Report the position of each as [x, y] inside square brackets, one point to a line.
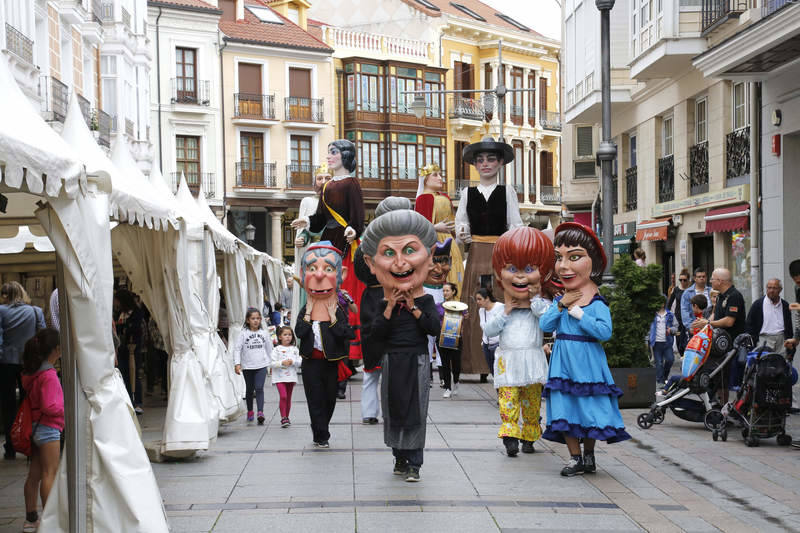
[119, 487]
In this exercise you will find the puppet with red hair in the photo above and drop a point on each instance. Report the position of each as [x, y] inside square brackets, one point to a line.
[522, 261]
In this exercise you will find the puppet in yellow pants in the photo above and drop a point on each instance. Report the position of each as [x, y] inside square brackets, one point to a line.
[528, 400]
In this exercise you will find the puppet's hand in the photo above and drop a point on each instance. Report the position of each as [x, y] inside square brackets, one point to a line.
[349, 234]
[570, 297]
[445, 227]
[299, 223]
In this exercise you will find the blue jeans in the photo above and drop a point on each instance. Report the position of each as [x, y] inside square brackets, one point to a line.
[254, 382]
[663, 356]
[44, 434]
[488, 354]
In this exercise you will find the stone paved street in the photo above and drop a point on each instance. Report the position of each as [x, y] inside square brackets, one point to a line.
[672, 477]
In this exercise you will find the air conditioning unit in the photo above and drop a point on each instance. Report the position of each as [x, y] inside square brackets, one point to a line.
[677, 220]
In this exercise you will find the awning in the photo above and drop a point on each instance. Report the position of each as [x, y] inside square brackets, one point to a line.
[652, 230]
[728, 218]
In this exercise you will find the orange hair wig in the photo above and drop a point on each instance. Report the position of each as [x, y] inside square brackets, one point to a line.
[524, 246]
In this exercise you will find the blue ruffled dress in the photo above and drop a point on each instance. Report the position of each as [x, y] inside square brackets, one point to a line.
[581, 394]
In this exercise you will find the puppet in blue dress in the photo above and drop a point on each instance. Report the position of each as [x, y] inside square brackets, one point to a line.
[582, 396]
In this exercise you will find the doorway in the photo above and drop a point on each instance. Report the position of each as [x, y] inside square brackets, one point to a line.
[703, 253]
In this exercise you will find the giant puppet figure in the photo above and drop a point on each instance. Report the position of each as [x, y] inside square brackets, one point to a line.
[340, 218]
[581, 394]
[484, 213]
[324, 334]
[397, 247]
[308, 206]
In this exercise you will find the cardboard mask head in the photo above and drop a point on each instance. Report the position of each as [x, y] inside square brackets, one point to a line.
[397, 247]
[522, 259]
[321, 274]
[441, 263]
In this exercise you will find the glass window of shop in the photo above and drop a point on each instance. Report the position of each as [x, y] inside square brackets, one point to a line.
[370, 156]
[738, 249]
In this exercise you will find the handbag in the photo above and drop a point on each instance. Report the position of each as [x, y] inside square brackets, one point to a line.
[22, 429]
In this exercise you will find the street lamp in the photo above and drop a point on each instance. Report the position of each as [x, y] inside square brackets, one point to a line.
[250, 233]
[607, 151]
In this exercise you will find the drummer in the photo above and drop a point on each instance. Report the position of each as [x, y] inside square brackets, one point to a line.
[450, 356]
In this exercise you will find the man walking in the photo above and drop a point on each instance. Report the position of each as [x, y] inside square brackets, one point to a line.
[769, 320]
[698, 287]
[674, 305]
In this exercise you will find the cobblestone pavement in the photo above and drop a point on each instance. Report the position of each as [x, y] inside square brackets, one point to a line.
[672, 477]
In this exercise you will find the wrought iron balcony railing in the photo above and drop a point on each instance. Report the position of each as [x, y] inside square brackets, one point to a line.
[86, 110]
[532, 116]
[516, 114]
[305, 109]
[465, 108]
[191, 91]
[256, 174]
[195, 180]
[300, 176]
[698, 168]
[737, 156]
[255, 106]
[550, 195]
[18, 44]
[550, 120]
[459, 185]
[715, 12]
[126, 18]
[55, 98]
[631, 187]
[666, 179]
[129, 127]
[104, 128]
[768, 7]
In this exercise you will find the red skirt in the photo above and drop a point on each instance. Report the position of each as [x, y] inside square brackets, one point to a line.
[355, 288]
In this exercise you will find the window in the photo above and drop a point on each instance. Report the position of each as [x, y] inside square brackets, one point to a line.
[370, 156]
[186, 74]
[461, 166]
[428, 5]
[741, 115]
[187, 158]
[371, 89]
[294, 15]
[517, 96]
[406, 80]
[585, 170]
[513, 22]
[584, 145]
[546, 168]
[543, 95]
[667, 136]
[300, 154]
[251, 150]
[351, 92]
[700, 131]
[265, 14]
[468, 11]
[532, 99]
[108, 71]
[434, 103]
[532, 170]
[404, 157]
[434, 152]
[517, 178]
[632, 146]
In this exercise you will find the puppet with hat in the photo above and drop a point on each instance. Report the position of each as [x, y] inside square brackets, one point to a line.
[485, 212]
[324, 334]
[581, 394]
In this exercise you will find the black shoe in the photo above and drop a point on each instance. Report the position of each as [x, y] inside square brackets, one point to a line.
[373, 421]
[512, 446]
[412, 475]
[341, 395]
[484, 378]
[9, 456]
[400, 467]
[323, 444]
[574, 467]
[794, 410]
[527, 446]
[589, 466]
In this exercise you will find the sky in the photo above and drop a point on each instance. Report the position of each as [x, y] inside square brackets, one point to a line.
[543, 16]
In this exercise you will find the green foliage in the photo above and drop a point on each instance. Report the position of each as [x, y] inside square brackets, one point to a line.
[633, 300]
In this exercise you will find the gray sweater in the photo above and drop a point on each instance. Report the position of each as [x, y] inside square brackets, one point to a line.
[18, 323]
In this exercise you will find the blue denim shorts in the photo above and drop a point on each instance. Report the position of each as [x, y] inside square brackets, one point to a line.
[44, 434]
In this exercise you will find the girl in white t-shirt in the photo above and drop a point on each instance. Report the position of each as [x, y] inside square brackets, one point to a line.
[251, 355]
[285, 362]
[488, 308]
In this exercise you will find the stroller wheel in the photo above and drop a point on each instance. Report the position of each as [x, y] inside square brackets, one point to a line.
[714, 435]
[714, 420]
[723, 434]
[745, 432]
[658, 416]
[751, 441]
[645, 420]
[784, 439]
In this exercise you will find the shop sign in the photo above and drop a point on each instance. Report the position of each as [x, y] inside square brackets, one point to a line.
[728, 195]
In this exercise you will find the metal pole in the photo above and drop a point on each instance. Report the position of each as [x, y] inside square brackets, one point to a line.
[607, 151]
[500, 91]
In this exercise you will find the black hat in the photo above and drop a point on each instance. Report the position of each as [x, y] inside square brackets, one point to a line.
[488, 144]
[443, 248]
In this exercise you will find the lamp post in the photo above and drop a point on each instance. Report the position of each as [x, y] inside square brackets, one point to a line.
[607, 151]
[250, 233]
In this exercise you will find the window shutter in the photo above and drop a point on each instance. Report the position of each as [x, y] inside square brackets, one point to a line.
[543, 94]
[584, 135]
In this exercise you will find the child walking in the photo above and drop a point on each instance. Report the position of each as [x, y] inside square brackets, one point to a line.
[285, 362]
[522, 259]
[40, 381]
[662, 332]
[252, 355]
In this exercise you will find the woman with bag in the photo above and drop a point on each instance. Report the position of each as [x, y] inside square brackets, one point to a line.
[46, 399]
[488, 308]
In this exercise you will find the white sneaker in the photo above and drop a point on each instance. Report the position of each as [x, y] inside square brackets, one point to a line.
[446, 393]
[455, 389]
[30, 527]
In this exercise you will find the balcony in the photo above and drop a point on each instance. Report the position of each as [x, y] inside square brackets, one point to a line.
[129, 128]
[459, 185]
[300, 109]
[517, 115]
[195, 180]
[715, 13]
[375, 45]
[55, 98]
[191, 91]
[256, 175]
[698, 168]
[550, 120]
[96, 7]
[300, 176]
[254, 106]
[666, 179]
[532, 117]
[86, 110]
[631, 186]
[126, 19]
[768, 7]
[550, 195]
[18, 44]
[737, 157]
[103, 128]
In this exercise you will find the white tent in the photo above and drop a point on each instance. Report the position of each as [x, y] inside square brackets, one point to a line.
[110, 469]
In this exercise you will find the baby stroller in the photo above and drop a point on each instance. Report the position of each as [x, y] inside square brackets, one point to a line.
[705, 361]
[764, 399]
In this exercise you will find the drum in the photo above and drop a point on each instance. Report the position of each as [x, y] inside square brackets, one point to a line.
[451, 324]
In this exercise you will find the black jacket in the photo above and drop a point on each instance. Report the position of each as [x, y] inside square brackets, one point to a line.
[755, 319]
[402, 333]
[335, 336]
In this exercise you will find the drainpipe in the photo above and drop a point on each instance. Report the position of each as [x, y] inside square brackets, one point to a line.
[756, 252]
[340, 100]
[222, 119]
[158, 86]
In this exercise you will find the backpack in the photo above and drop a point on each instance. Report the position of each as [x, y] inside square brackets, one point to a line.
[22, 429]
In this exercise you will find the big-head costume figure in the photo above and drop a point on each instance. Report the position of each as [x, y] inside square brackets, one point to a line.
[397, 247]
[340, 218]
[323, 332]
[484, 213]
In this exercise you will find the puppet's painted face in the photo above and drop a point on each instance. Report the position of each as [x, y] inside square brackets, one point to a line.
[402, 263]
[487, 164]
[334, 158]
[434, 181]
[516, 280]
[319, 181]
[440, 270]
[320, 278]
[573, 266]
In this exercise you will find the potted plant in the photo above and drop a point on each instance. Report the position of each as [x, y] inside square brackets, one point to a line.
[633, 299]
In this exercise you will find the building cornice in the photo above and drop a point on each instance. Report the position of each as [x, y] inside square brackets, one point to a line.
[274, 50]
[195, 9]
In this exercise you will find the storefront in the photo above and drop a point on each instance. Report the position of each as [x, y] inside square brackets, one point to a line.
[733, 223]
[657, 232]
[624, 236]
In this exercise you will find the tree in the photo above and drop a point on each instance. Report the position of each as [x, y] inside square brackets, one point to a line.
[633, 300]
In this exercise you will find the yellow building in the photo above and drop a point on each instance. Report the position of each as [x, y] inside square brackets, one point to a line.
[277, 82]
